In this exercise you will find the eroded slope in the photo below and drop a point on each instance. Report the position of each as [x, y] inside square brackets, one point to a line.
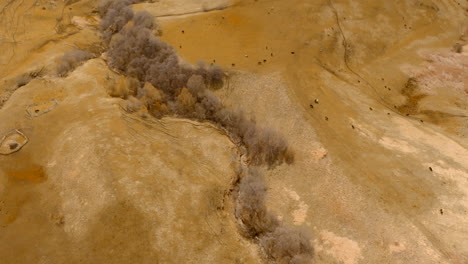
[96, 184]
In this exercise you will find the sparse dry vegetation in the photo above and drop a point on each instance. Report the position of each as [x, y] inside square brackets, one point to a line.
[283, 245]
[124, 87]
[23, 80]
[250, 205]
[71, 60]
[286, 245]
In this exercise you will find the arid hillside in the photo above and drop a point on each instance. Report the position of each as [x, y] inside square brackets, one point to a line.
[327, 131]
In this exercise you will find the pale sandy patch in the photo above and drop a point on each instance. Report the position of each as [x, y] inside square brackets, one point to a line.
[292, 194]
[300, 214]
[396, 247]
[343, 249]
[80, 22]
[319, 153]
[465, 50]
[459, 177]
[396, 144]
[431, 138]
[363, 130]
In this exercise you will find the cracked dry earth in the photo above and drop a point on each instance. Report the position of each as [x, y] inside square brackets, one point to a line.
[371, 95]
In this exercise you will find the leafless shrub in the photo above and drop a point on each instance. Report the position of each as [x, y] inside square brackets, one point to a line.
[118, 89]
[211, 103]
[250, 205]
[287, 245]
[282, 244]
[144, 19]
[265, 146]
[136, 52]
[186, 101]
[200, 112]
[133, 104]
[196, 85]
[132, 85]
[71, 60]
[115, 14]
[23, 80]
[160, 109]
[213, 75]
[124, 87]
[149, 95]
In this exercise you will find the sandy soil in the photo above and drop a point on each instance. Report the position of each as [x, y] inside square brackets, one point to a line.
[95, 184]
[381, 169]
[364, 165]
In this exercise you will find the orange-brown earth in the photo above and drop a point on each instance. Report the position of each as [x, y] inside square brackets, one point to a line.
[371, 96]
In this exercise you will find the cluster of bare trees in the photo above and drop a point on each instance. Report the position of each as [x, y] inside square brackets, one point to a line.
[158, 82]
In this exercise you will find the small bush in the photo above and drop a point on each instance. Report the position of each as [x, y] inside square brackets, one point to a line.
[186, 101]
[124, 87]
[71, 60]
[149, 95]
[23, 80]
[282, 244]
[133, 104]
[115, 14]
[288, 246]
[250, 205]
[144, 19]
[213, 74]
[196, 85]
